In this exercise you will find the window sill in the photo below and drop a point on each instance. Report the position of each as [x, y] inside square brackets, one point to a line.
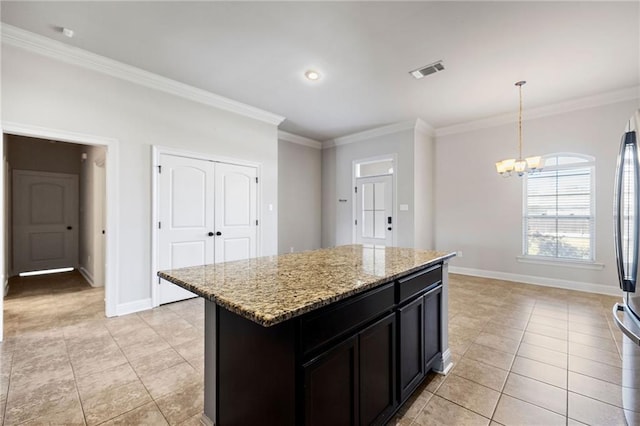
[563, 263]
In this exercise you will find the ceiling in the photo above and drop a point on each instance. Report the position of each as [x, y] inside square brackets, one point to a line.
[257, 53]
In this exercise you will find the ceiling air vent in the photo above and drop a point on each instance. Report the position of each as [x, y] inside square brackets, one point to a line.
[426, 70]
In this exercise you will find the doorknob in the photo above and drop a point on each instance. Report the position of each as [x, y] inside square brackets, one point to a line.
[210, 234]
[389, 229]
[218, 233]
[69, 227]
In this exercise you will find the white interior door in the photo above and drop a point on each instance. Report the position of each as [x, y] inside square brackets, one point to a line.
[236, 212]
[207, 213]
[374, 206]
[45, 221]
[186, 200]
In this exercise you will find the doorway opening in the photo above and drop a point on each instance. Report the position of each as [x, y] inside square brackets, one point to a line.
[374, 206]
[55, 186]
[55, 208]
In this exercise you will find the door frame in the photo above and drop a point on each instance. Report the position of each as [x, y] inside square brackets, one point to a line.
[156, 152]
[394, 197]
[111, 198]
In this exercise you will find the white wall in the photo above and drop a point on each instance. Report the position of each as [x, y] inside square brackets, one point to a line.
[6, 223]
[480, 213]
[40, 91]
[299, 197]
[337, 177]
[88, 214]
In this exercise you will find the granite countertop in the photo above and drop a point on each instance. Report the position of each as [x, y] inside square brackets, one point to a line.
[269, 290]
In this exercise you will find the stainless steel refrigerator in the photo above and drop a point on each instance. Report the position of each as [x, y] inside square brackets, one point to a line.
[626, 314]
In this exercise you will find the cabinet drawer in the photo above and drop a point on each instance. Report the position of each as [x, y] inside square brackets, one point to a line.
[418, 282]
[322, 327]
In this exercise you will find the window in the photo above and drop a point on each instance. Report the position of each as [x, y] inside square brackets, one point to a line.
[559, 208]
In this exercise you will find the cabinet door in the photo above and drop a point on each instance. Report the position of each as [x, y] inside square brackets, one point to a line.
[377, 371]
[411, 346]
[331, 386]
[432, 304]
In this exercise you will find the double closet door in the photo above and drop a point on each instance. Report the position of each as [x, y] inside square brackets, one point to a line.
[207, 214]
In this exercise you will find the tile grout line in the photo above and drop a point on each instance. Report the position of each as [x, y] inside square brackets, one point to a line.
[139, 379]
[511, 365]
[75, 378]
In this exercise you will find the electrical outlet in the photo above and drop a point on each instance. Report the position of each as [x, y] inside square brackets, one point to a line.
[290, 249]
[459, 253]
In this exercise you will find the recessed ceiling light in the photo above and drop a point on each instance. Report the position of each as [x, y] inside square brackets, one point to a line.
[68, 32]
[312, 75]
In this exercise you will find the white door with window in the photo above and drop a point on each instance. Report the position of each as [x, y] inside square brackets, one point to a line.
[207, 214]
[374, 206]
[45, 221]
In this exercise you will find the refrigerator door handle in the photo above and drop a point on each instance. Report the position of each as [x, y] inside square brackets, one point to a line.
[617, 212]
[625, 330]
[628, 146]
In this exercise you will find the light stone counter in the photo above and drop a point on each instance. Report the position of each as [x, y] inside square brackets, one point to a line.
[269, 290]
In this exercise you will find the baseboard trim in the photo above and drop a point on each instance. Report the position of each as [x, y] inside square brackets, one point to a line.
[87, 276]
[6, 287]
[609, 290]
[131, 307]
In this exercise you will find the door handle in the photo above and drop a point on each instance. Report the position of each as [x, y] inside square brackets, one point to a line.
[69, 227]
[210, 234]
[218, 233]
[389, 229]
[630, 334]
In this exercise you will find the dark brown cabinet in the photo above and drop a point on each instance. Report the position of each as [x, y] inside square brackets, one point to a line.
[411, 346]
[331, 386]
[432, 309]
[354, 382]
[352, 362]
[377, 354]
[418, 339]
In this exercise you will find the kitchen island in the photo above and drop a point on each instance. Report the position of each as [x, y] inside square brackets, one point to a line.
[333, 336]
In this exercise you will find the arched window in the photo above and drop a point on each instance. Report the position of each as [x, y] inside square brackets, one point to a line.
[559, 209]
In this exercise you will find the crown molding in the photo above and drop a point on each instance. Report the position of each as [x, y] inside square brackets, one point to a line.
[613, 97]
[424, 127]
[368, 134]
[300, 140]
[45, 46]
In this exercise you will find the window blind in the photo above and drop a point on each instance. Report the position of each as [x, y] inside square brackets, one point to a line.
[559, 220]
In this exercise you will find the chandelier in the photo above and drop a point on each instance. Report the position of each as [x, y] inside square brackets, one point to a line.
[521, 165]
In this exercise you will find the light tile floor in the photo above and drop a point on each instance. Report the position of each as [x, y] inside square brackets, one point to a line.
[523, 354]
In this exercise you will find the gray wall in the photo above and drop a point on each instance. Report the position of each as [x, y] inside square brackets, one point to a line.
[480, 213]
[299, 197]
[424, 187]
[43, 156]
[44, 92]
[337, 184]
[329, 197]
